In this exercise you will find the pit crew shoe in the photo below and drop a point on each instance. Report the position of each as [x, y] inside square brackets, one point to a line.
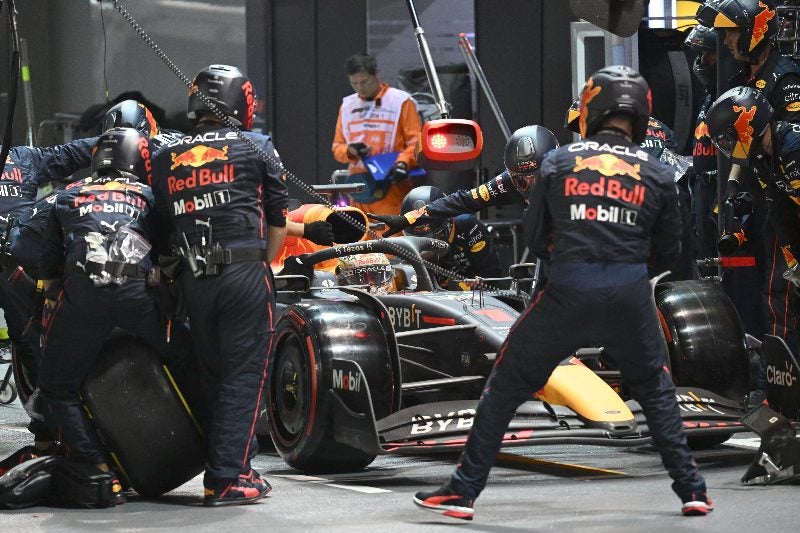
[446, 501]
[698, 504]
[246, 489]
[118, 496]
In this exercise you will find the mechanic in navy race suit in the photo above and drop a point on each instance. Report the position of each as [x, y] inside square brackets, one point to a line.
[228, 206]
[471, 253]
[741, 122]
[598, 210]
[24, 171]
[523, 155]
[95, 258]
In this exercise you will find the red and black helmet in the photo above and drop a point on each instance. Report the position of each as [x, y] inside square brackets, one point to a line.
[131, 114]
[737, 121]
[230, 92]
[124, 150]
[757, 20]
[524, 152]
[615, 90]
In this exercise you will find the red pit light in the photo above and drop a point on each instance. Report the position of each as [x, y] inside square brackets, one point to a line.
[439, 141]
[450, 144]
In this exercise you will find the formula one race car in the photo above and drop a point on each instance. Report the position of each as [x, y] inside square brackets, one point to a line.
[355, 374]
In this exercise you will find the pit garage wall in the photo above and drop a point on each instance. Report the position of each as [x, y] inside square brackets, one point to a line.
[524, 49]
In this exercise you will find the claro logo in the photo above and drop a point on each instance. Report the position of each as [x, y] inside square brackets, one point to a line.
[422, 424]
[781, 378]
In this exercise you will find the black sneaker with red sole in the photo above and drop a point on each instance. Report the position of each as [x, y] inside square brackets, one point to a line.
[247, 488]
[697, 504]
[446, 501]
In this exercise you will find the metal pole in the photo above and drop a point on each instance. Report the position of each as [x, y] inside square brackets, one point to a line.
[30, 138]
[427, 62]
[475, 67]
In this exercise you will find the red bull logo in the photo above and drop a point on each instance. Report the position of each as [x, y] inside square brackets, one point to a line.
[701, 130]
[144, 150]
[250, 98]
[743, 130]
[609, 188]
[607, 165]
[151, 121]
[198, 156]
[761, 24]
[588, 94]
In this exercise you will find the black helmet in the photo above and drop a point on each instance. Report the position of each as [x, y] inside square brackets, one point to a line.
[573, 114]
[124, 150]
[737, 121]
[525, 150]
[131, 114]
[614, 90]
[228, 89]
[418, 198]
[703, 40]
[757, 20]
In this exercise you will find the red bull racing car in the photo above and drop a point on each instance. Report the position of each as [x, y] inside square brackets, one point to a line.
[355, 375]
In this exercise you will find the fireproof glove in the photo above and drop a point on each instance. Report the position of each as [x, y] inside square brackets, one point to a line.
[398, 172]
[394, 223]
[319, 232]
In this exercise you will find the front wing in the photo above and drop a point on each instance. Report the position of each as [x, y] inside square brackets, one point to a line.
[443, 426]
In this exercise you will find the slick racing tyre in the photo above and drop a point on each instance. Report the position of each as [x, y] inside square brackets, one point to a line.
[312, 338]
[706, 340]
[143, 418]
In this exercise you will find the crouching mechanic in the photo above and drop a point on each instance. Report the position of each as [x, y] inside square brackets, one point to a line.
[94, 263]
[471, 253]
[523, 155]
[598, 269]
[228, 228]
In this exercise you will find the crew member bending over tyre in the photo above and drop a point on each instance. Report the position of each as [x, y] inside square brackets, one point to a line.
[95, 257]
[597, 211]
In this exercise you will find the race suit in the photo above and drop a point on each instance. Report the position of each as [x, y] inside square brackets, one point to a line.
[779, 176]
[85, 219]
[472, 252]
[600, 208]
[215, 191]
[779, 81]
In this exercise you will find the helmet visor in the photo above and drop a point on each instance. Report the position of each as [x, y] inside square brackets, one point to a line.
[372, 275]
[523, 182]
[726, 141]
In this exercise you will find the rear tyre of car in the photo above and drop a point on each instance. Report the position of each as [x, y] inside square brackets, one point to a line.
[309, 336]
[706, 340]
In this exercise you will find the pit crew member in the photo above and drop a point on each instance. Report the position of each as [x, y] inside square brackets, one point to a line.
[226, 207]
[471, 253]
[598, 209]
[523, 155]
[94, 262]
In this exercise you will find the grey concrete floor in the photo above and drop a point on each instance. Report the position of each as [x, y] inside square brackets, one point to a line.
[524, 494]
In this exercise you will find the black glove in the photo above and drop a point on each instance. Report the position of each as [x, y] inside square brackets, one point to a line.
[394, 223]
[319, 232]
[360, 149]
[398, 172]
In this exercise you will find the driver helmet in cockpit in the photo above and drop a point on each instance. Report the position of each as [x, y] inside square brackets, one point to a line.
[372, 270]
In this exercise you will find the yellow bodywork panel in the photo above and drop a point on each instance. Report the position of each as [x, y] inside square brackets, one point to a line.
[580, 389]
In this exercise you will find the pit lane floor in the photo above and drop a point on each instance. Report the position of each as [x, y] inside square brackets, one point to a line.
[531, 491]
